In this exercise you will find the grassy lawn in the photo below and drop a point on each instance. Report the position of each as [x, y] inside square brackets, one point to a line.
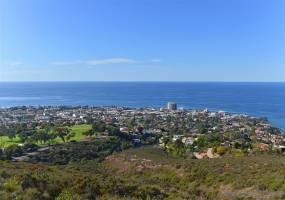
[77, 129]
[5, 141]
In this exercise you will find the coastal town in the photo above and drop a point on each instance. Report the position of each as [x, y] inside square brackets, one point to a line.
[163, 126]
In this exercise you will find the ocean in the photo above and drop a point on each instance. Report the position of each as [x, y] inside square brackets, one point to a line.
[256, 99]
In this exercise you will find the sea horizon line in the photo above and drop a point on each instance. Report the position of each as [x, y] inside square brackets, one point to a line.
[133, 81]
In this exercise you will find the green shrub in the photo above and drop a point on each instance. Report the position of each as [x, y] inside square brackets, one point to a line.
[13, 150]
[67, 195]
[221, 150]
[11, 185]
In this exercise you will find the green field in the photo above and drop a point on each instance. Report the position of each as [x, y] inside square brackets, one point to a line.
[5, 141]
[77, 129]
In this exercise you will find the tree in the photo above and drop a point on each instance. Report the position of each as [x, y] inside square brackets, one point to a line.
[89, 133]
[41, 136]
[11, 134]
[25, 135]
[62, 133]
[114, 131]
[70, 135]
[166, 140]
[202, 130]
[131, 123]
[179, 148]
[201, 142]
[99, 126]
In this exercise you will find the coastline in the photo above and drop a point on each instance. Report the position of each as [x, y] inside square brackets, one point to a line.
[258, 99]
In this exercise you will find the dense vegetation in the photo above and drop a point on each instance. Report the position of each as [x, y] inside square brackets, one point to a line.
[78, 151]
[147, 173]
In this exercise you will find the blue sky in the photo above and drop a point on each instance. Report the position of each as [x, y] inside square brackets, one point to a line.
[142, 40]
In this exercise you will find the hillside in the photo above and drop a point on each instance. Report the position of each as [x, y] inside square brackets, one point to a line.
[147, 173]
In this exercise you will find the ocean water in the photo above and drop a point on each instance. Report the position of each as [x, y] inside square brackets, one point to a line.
[256, 99]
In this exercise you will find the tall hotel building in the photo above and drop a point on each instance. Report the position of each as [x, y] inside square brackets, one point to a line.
[171, 106]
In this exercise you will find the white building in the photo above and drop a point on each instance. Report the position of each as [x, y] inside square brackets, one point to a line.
[171, 106]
